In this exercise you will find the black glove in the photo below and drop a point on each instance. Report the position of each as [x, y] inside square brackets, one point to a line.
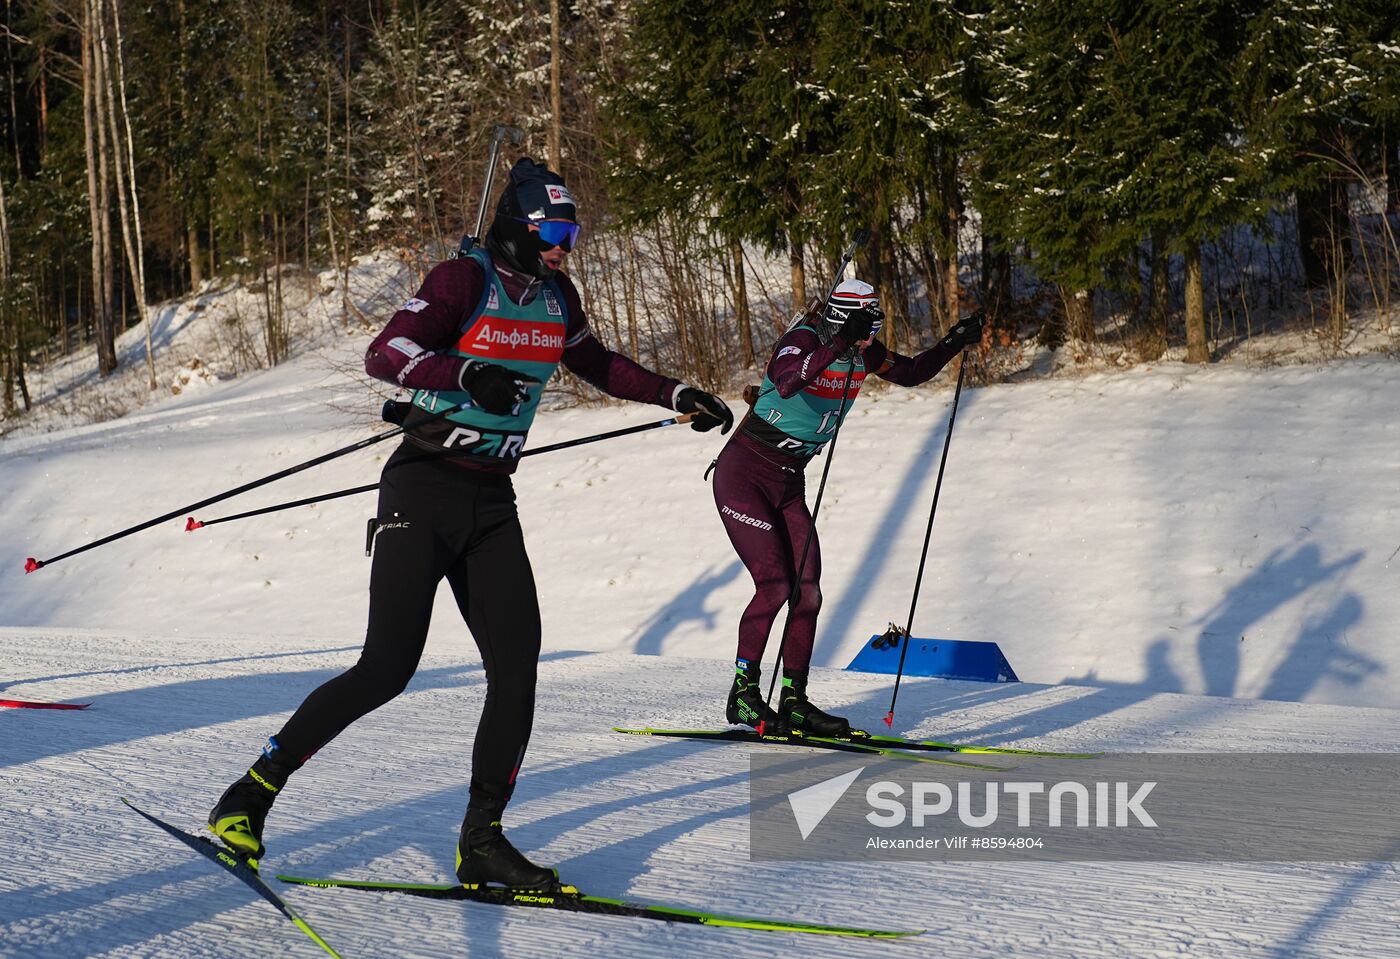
[495, 389]
[395, 411]
[711, 409]
[862, 324]
[967, 331]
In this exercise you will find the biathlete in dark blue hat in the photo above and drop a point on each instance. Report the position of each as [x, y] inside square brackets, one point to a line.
[488, 331]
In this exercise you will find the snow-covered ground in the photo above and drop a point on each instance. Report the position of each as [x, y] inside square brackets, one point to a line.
[174, 717]
[1170, 557]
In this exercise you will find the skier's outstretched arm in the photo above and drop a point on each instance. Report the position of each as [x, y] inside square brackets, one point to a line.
[619, 376]
[911, 371]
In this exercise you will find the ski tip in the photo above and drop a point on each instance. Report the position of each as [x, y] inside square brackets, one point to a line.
[26, 704]
[31, 564]
[889, 719]
[192, 524]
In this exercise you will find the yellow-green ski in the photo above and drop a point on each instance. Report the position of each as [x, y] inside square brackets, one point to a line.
[237, 865]
[935, 745]
[570, 899]
[815, 742]
[861, 738]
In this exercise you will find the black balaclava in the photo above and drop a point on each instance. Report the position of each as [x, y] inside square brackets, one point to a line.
[848, 296]
[533, 192]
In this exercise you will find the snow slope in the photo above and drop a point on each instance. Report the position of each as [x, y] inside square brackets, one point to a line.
[1225, 531]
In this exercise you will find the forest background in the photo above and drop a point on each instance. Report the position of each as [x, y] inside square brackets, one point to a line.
[1171, 178]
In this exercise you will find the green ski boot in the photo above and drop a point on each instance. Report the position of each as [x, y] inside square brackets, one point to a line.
[746, 705]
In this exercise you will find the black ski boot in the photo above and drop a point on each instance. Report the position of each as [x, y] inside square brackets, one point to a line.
[238, 817]
[746, 705]
[485, 855]
[798, 712]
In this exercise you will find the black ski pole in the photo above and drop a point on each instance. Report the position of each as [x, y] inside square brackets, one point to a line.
[195, 524]
[611, 434]
[498, 133]
[861, 237]
[31, 564]
[928, 534]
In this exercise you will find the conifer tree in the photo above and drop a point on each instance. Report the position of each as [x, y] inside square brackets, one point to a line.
[901, 84]
[1186, 173]
[1322, 81]
[1118, 125]
[718, 114]
[1047, 157]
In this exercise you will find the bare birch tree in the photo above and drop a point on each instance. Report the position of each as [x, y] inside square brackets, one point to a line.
[134, 240]
[99, 199]
[124, 163]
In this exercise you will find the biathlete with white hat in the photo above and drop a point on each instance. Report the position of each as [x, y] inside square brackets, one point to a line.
[811, 383]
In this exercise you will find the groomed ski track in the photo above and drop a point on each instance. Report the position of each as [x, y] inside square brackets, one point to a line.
[172, 719]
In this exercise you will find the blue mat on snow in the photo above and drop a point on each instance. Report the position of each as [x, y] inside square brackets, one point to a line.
[942, 658]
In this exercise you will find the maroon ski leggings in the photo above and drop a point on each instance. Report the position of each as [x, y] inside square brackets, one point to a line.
[760, 497]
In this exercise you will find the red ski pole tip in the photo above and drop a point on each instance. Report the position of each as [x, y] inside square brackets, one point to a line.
[193, 524]
[31, 564]
[889, 719]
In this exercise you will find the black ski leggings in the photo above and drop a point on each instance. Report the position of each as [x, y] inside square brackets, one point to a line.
[435, 520]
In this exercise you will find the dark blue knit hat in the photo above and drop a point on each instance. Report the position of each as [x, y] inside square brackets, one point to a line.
[535, 192]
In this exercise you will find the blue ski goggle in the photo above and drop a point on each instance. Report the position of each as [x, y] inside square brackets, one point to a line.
[552, 233]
